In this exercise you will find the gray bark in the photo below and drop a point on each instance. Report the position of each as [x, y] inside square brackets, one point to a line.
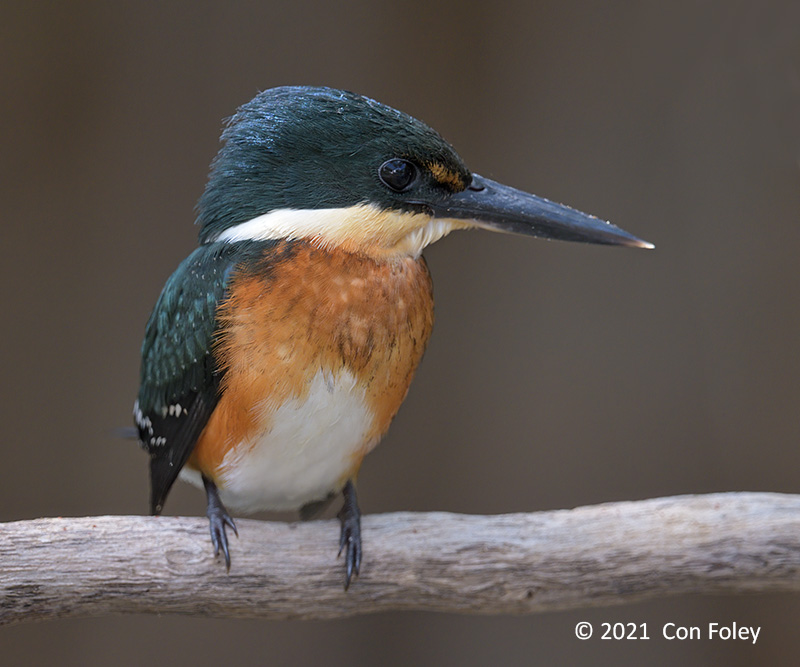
[506, 564]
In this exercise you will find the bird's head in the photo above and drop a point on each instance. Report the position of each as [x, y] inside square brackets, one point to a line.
[345, 171]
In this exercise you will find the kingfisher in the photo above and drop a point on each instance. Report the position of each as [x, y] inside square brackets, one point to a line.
[281, 348]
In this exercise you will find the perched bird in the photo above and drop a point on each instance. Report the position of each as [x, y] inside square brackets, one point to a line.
[280, 350]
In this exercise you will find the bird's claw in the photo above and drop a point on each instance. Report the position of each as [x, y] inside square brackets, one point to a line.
[350, 543]
[350, 536]
[218, 520]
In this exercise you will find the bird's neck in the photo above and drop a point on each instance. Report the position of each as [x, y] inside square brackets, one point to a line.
[383, 235]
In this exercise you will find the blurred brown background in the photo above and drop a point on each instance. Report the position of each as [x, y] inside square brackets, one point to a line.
[558, 374]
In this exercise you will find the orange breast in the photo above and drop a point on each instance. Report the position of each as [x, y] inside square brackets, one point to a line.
[316, 310]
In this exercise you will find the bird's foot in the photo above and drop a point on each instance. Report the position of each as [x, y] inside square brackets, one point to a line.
[218, 519]
[350, 538]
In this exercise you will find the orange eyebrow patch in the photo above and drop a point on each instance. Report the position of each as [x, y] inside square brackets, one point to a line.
[446, 176]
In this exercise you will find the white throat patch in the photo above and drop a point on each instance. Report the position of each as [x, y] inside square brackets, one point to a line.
[365, 228]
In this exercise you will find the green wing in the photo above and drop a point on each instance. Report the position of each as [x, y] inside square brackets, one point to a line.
[180, 383]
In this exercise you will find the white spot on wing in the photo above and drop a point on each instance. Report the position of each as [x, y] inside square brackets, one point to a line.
[142, 421]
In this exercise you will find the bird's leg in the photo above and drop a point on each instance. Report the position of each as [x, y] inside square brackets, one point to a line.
[218, 518]
[350, 540]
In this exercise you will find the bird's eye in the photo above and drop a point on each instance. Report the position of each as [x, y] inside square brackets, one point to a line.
[397, 174]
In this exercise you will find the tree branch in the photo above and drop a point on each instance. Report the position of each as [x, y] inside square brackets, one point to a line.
[514, 563]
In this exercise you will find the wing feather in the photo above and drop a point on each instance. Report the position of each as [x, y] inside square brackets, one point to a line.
[180, 382]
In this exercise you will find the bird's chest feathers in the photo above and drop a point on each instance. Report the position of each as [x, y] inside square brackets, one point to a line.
[318, 350]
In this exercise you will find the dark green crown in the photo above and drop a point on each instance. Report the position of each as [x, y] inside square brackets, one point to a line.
[312, 148]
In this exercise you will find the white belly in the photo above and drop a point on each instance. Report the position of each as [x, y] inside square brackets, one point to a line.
[307, 450]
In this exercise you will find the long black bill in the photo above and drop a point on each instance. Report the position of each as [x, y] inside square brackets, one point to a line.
[502, 208]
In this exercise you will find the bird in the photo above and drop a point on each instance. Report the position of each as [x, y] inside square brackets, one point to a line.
[281, 348]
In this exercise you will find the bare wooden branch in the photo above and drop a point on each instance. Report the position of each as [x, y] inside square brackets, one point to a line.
[515, 563]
